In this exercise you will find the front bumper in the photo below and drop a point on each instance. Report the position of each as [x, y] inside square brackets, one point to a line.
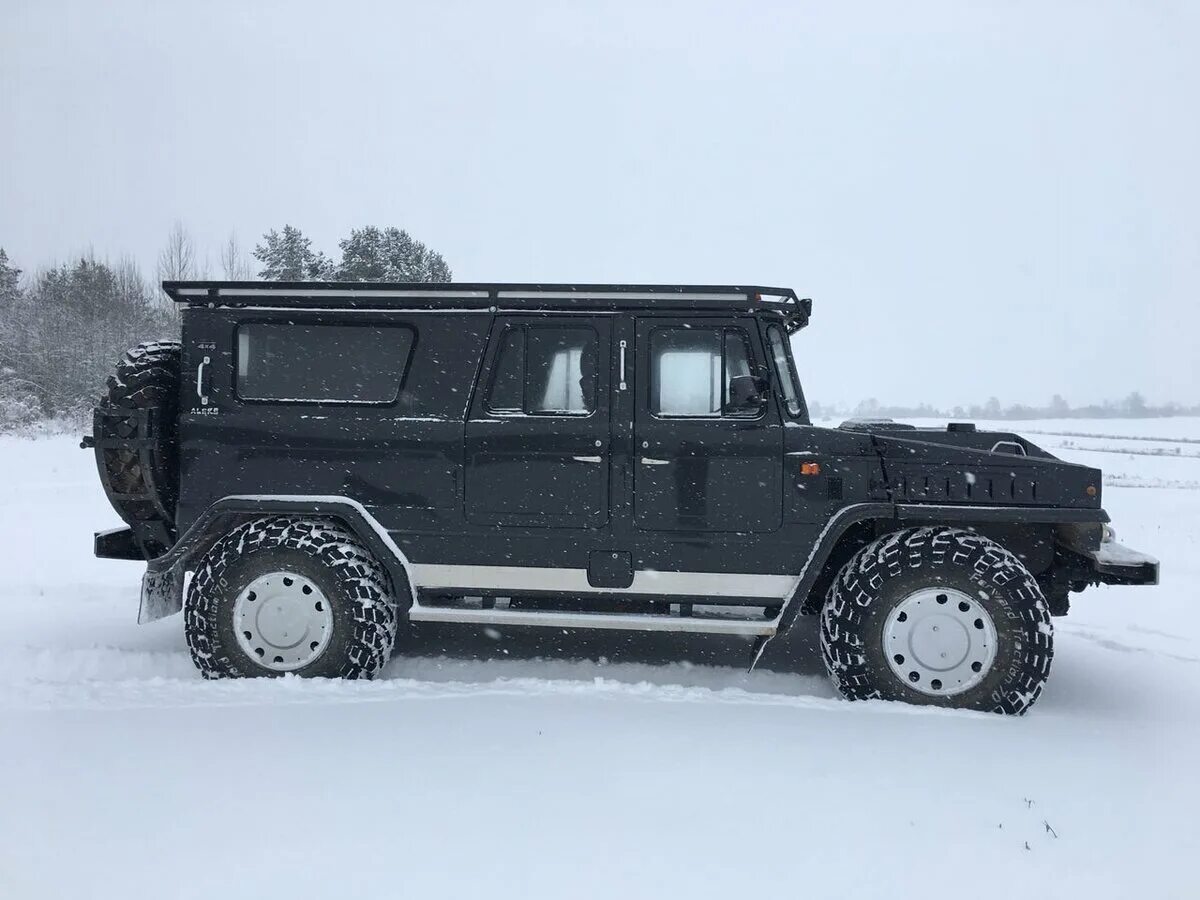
[1117, 564]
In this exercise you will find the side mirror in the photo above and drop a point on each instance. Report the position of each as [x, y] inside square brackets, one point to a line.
[747, 394]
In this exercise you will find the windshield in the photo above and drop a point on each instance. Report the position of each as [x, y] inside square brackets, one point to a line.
[785, 370]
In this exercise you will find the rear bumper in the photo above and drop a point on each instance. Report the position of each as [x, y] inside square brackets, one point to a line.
[117, 543]
[162, 586]
[1117, 564]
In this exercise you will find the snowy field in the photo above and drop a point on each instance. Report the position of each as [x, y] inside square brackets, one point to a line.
[550, 765]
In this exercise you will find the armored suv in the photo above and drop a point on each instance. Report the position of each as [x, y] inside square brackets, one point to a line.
[316, 464]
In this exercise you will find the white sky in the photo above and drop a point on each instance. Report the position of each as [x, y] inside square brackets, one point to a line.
[982, 198]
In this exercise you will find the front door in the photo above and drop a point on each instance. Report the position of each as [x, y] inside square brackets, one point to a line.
[702, 461]
[537, 440]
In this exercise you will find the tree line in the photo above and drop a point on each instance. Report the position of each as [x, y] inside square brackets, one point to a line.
[1132, 406]
[62, 327]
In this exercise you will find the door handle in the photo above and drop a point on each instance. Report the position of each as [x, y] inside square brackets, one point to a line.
[588, 459]
[200, 381]
[651, 461]
[621, 385]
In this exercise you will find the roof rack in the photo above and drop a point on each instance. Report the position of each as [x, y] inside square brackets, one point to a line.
[477, 295]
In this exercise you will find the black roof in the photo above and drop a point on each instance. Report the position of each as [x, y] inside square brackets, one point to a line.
[487, 295]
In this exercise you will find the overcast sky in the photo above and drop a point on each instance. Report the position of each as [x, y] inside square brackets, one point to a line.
[981, 198]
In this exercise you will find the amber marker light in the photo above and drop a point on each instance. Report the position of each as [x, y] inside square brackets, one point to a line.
[1091, 490]
[810, 468]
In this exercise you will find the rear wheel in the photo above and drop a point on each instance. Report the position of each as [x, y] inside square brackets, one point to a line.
[281, 595]
[938, 616]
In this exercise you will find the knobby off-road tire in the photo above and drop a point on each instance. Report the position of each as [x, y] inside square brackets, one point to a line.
[345, 591]
[934, 572]
[147, 377]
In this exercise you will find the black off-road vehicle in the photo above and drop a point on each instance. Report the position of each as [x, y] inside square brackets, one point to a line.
[318, 463]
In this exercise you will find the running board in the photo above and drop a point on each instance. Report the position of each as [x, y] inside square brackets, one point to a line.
[621, 622]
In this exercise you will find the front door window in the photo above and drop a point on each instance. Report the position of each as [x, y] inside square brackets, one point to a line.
[691, 370]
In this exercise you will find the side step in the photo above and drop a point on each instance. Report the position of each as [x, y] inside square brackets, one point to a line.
[620, 622]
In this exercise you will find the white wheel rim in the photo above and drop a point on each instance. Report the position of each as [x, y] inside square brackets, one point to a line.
[940, 641]
[283, 621]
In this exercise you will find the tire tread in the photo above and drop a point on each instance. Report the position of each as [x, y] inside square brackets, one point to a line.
[364, 581]
[856, 590]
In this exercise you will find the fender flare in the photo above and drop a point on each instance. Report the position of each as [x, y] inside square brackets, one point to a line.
[162, 583]
[914, 513]
[833, 531]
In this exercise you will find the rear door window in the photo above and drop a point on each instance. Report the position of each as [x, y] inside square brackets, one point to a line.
[546, 371]
[290, 362]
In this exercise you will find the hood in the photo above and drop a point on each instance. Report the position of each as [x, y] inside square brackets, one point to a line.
[961, 464]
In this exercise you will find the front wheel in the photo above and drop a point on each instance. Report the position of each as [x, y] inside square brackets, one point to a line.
[279, 595]
[938, 616]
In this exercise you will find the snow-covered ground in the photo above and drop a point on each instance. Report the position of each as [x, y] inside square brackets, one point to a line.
[601, 765]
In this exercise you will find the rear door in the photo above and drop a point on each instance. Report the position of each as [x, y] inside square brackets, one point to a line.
[537, 438]
[701, 465]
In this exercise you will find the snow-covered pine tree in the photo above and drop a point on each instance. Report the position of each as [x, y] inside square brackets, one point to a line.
[437, 271]
[389, 254]
[405, 256]
[10, 282]
[364, 257]
[368, 254]
[288, 256]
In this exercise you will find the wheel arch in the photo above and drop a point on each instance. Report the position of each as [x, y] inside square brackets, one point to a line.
[853, 527]
[163, 582]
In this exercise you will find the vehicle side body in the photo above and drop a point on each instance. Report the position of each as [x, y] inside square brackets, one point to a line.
[609, 512]
[613, 511]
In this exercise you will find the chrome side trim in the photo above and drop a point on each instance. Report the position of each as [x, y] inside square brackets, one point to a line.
[590, 620]
[564, 580]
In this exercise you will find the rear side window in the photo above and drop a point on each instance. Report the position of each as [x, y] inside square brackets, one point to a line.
[322, 363]
[544, 371]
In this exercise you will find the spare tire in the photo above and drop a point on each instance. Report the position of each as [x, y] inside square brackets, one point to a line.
[136, 437]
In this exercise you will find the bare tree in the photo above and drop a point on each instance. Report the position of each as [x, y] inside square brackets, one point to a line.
[234, 262]
[177, 260]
